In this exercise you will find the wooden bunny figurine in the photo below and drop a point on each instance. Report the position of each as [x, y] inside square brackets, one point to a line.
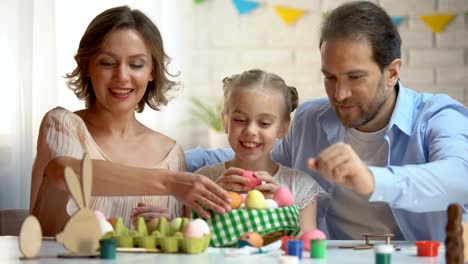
[82, 231]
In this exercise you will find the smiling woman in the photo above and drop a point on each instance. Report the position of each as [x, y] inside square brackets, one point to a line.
[121, 75]
[121, 67]
[36, 46]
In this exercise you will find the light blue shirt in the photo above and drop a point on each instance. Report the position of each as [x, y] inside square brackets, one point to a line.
[428, 159]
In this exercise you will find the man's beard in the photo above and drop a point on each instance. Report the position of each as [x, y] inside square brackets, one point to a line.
[366, 115]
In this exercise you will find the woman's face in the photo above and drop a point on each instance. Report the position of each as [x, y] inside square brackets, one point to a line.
[120, 72]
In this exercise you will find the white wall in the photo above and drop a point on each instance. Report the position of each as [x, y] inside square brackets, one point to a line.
[225, 43]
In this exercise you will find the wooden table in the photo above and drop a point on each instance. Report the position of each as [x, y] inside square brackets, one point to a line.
[9, 253]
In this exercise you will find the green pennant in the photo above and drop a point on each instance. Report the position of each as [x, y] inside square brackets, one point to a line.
[197, 2]
[466, 13]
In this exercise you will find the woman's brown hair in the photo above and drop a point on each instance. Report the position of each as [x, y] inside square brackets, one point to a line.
[156, 94]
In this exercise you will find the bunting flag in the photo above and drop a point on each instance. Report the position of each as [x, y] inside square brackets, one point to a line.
[397, 20]
[437, 22]
[289, 15]
[198, 1]
[244, 7]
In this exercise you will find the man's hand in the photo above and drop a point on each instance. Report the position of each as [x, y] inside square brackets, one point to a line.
[340, 164]
[195, 190]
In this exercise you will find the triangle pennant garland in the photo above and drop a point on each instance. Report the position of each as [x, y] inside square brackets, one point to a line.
[244, 7]
[437, 22]
[289, 15]
[397, 20]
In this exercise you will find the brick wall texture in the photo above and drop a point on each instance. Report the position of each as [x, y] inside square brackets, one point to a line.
[225, 43]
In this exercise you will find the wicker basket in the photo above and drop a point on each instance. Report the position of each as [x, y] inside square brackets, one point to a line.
[273, 236]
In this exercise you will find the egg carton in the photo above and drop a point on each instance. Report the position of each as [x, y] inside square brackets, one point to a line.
[163, 237]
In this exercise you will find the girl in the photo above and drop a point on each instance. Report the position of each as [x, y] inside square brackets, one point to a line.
[257, 111]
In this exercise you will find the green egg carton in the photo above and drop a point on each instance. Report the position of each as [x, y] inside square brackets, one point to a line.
[195, 245]
[177, 244]
[158, 233]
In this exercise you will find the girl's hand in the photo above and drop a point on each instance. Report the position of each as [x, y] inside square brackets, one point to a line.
[270, 186]
[232, 181]
[148, 212]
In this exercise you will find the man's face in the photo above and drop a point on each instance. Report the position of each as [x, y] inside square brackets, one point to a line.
[353, 81]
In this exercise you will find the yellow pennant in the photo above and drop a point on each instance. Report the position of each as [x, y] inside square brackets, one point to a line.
[437, 22]
[289, 15]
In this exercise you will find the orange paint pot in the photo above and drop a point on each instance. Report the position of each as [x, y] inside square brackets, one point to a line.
[428, 248]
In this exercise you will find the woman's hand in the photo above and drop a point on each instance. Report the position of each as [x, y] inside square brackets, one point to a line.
[196, 190]
[232, 181]
[270, 186]
[149, 212]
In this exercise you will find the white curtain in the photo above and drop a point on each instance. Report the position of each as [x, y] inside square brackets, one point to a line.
[38, 39]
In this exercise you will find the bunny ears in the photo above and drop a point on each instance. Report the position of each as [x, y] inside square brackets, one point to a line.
[81, 193]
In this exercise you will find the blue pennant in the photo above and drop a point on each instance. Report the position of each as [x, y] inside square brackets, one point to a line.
[244, 7]
[397, 20]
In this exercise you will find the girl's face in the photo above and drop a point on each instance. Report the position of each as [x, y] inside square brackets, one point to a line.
[120, 72]
[253, 121]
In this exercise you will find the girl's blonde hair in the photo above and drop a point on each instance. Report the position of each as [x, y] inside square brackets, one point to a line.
[256, 78]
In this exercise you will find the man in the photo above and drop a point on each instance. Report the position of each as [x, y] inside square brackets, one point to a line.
[391, 159]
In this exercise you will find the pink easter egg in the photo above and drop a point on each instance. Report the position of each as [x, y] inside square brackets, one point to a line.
[283, 197]
[192, 230]
[254, 182]
[100, 215]
[243, 195]
[312, 235]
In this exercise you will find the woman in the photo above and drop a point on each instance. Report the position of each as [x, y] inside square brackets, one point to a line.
[121, 66]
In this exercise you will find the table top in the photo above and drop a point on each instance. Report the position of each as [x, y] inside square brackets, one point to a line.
[10, 253]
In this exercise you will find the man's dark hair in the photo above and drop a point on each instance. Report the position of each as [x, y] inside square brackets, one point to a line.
[362, 19]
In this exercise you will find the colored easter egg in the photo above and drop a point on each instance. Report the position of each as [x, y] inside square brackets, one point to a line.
[255, 200]
[236, 200]
[253, 181]
[253, 238]
[243, 196]
[312, 235]
[192, 231]
[202, 225]
[270, 204]
[283, 197]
